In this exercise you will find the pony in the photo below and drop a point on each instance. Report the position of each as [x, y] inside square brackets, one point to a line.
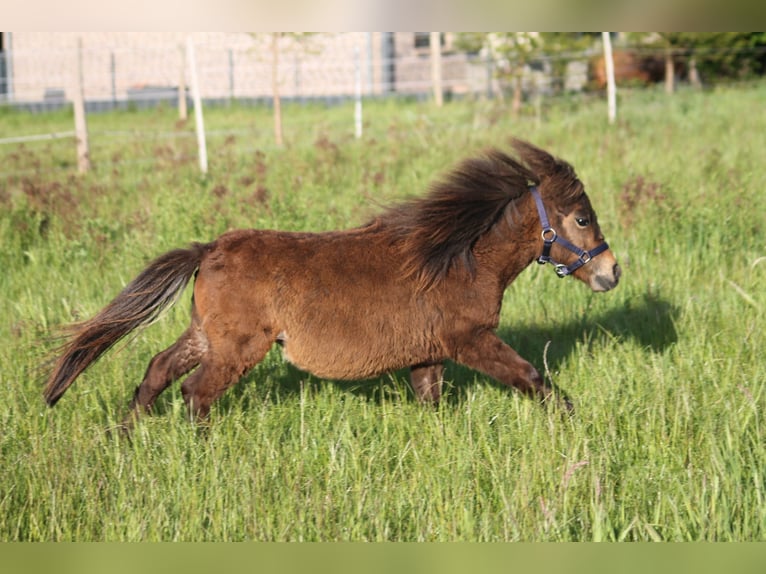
[417, 285]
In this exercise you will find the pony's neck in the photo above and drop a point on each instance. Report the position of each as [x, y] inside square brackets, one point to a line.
[513, 243]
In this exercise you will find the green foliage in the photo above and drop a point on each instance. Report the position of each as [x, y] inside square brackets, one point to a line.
[718, 55]
[666, 372]
[514, 50]
[724, 55]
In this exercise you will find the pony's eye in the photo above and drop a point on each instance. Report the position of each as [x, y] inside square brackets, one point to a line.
[582, 221]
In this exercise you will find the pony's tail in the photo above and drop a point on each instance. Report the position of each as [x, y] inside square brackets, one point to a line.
[142, 300]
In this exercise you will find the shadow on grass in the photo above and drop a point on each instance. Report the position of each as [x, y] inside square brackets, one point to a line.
[649, 322]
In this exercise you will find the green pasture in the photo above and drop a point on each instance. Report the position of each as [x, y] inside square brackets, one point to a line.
[667, 372]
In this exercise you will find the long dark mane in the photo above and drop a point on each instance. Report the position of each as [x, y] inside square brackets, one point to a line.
[441, 228]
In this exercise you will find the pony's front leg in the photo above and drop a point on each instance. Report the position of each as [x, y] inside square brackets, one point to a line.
[487, 353]
[426, 380]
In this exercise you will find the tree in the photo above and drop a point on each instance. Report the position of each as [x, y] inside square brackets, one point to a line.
[515, 51]
[707, 56]
[511, 52]
[563, 47]
[736, 55]
[294, 39]
[275, 36]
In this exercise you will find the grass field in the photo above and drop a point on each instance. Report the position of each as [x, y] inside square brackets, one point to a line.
[667, 371]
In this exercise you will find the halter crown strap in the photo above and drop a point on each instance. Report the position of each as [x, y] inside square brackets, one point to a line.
[550, 237]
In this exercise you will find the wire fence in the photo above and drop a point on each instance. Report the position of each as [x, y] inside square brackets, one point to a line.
[229, 67]
[136, 71]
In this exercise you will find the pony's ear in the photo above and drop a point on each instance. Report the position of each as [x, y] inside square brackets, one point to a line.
[554, 173]
[539, 161]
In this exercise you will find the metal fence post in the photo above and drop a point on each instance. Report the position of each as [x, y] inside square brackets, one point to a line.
[198, 119]
[611, 89]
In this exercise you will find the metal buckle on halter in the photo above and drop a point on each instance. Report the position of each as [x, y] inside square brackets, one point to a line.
[549, 236]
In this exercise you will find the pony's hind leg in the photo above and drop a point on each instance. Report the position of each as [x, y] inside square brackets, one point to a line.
[426, 380]
[164, 368]
[219, 369]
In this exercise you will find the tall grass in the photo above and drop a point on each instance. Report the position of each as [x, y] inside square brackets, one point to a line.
[667, 374]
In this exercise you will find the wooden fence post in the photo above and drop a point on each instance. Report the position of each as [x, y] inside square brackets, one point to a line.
[80, 120]
[113, 75]
[436, 67]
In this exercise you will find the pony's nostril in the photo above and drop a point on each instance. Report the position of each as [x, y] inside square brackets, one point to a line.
[617, 271]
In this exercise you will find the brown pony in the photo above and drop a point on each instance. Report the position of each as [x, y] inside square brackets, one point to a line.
[420, 284]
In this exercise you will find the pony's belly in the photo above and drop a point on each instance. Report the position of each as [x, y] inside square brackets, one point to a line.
[343, 361]
[335, 366]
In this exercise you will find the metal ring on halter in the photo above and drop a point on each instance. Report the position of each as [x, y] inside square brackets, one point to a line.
[585, 257]
[561, 269]
[553, 231]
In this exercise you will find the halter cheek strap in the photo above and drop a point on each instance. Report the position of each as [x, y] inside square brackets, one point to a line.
[550, 237]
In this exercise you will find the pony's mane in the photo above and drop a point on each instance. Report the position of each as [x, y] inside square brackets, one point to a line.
[442, 227]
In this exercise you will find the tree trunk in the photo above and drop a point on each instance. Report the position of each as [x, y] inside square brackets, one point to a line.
[670, 72]
[694, 75]
[516, 103]
[80, 118]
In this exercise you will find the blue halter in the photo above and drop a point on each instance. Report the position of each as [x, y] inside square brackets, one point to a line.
[550, 237]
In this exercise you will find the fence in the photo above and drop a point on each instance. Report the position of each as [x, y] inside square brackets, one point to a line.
[144, 68]
[48, 71]
[100, 72]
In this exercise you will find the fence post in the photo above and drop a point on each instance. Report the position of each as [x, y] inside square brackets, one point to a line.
[231, 76]
[436, 67]
[8, 76]
[358, 94]
[388, 63]
[198, 120]
[370, 71]
[611, 88]
[275, 88]
[80, 120]
[113, 73]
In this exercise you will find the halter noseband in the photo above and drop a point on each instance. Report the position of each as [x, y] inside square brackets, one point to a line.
[550, 237]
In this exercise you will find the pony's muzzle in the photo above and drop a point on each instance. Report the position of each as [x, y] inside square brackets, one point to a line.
[606, 281]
